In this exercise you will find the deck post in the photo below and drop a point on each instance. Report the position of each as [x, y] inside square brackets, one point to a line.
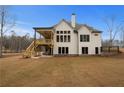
[118, 49]
[51, 44]
[35, 41]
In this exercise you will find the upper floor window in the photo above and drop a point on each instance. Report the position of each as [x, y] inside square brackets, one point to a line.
[57, 32]
[69, 38]
[57, 38]
[68, 32]
[63, 36]
[61, 32]
[65, 32]
[84, 38]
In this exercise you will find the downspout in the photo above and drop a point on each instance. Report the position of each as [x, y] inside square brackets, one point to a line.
[77, 42]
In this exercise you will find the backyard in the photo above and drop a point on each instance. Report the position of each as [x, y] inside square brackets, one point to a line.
[62, 71]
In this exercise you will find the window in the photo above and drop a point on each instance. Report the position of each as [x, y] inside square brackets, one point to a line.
[81, 38]
[96, 50]
[61, 32]
[68, 32]
[87, 38]
[69, 38]
[59, 50]
[65, 38]
[84, 50]
[61, 38]
[63, 50]
[57, 38]
[65, 32]
[66, 50]
[57, 32]
[84, 38]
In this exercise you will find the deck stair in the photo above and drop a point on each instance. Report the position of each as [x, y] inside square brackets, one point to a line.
[30, 50]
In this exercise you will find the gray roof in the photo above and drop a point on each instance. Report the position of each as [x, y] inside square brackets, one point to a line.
[77, 27]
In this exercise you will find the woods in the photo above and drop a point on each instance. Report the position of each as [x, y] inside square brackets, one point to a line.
[12, 42]
[15, 43]
[7, 21]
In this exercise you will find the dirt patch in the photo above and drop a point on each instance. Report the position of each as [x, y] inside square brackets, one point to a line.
[122, 50]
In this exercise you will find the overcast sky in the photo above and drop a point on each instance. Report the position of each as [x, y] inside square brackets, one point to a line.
[28, 17]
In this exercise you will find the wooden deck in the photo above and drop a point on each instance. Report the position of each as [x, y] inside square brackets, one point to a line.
[40, 42]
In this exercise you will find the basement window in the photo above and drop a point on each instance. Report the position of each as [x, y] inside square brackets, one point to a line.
[63, 50]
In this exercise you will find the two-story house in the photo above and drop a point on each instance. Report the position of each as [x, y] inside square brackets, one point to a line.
[67, 38]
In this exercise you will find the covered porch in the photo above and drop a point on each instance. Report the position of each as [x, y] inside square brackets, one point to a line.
[44, 45]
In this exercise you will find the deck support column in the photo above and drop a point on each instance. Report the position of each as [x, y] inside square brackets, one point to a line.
[51, 44]
[35, 41]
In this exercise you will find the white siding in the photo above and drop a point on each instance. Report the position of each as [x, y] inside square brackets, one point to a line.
[75, 46]
[63, 26]
[95, 41]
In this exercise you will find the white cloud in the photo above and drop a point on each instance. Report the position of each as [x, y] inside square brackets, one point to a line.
[22, 23]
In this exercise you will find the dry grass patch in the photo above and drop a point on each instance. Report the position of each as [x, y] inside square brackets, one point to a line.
[62, 71]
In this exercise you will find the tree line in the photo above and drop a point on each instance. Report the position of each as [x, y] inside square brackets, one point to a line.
[11, 43]
[14, 43]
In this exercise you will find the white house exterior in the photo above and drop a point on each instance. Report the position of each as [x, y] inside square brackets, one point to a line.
[70, 38]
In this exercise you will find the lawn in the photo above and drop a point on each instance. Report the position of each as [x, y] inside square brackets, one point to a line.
[62, 71]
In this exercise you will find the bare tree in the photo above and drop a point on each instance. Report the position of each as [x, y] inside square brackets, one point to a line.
[14, 43]
[122, 36]
[113, 28]
[6, 23]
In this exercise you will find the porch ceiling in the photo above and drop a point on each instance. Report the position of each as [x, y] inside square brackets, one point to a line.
[46, 33]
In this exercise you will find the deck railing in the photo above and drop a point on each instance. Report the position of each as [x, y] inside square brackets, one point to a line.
[44, 41]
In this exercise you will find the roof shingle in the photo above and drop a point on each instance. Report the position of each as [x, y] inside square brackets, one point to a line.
[77, 27]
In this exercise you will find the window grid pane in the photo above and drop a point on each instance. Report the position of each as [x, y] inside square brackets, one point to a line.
[59, 50]
[84, 38]
[57, 38]
[68, 38]
[61, 32]
[57, 32]
[63, 36]
[63, 50]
